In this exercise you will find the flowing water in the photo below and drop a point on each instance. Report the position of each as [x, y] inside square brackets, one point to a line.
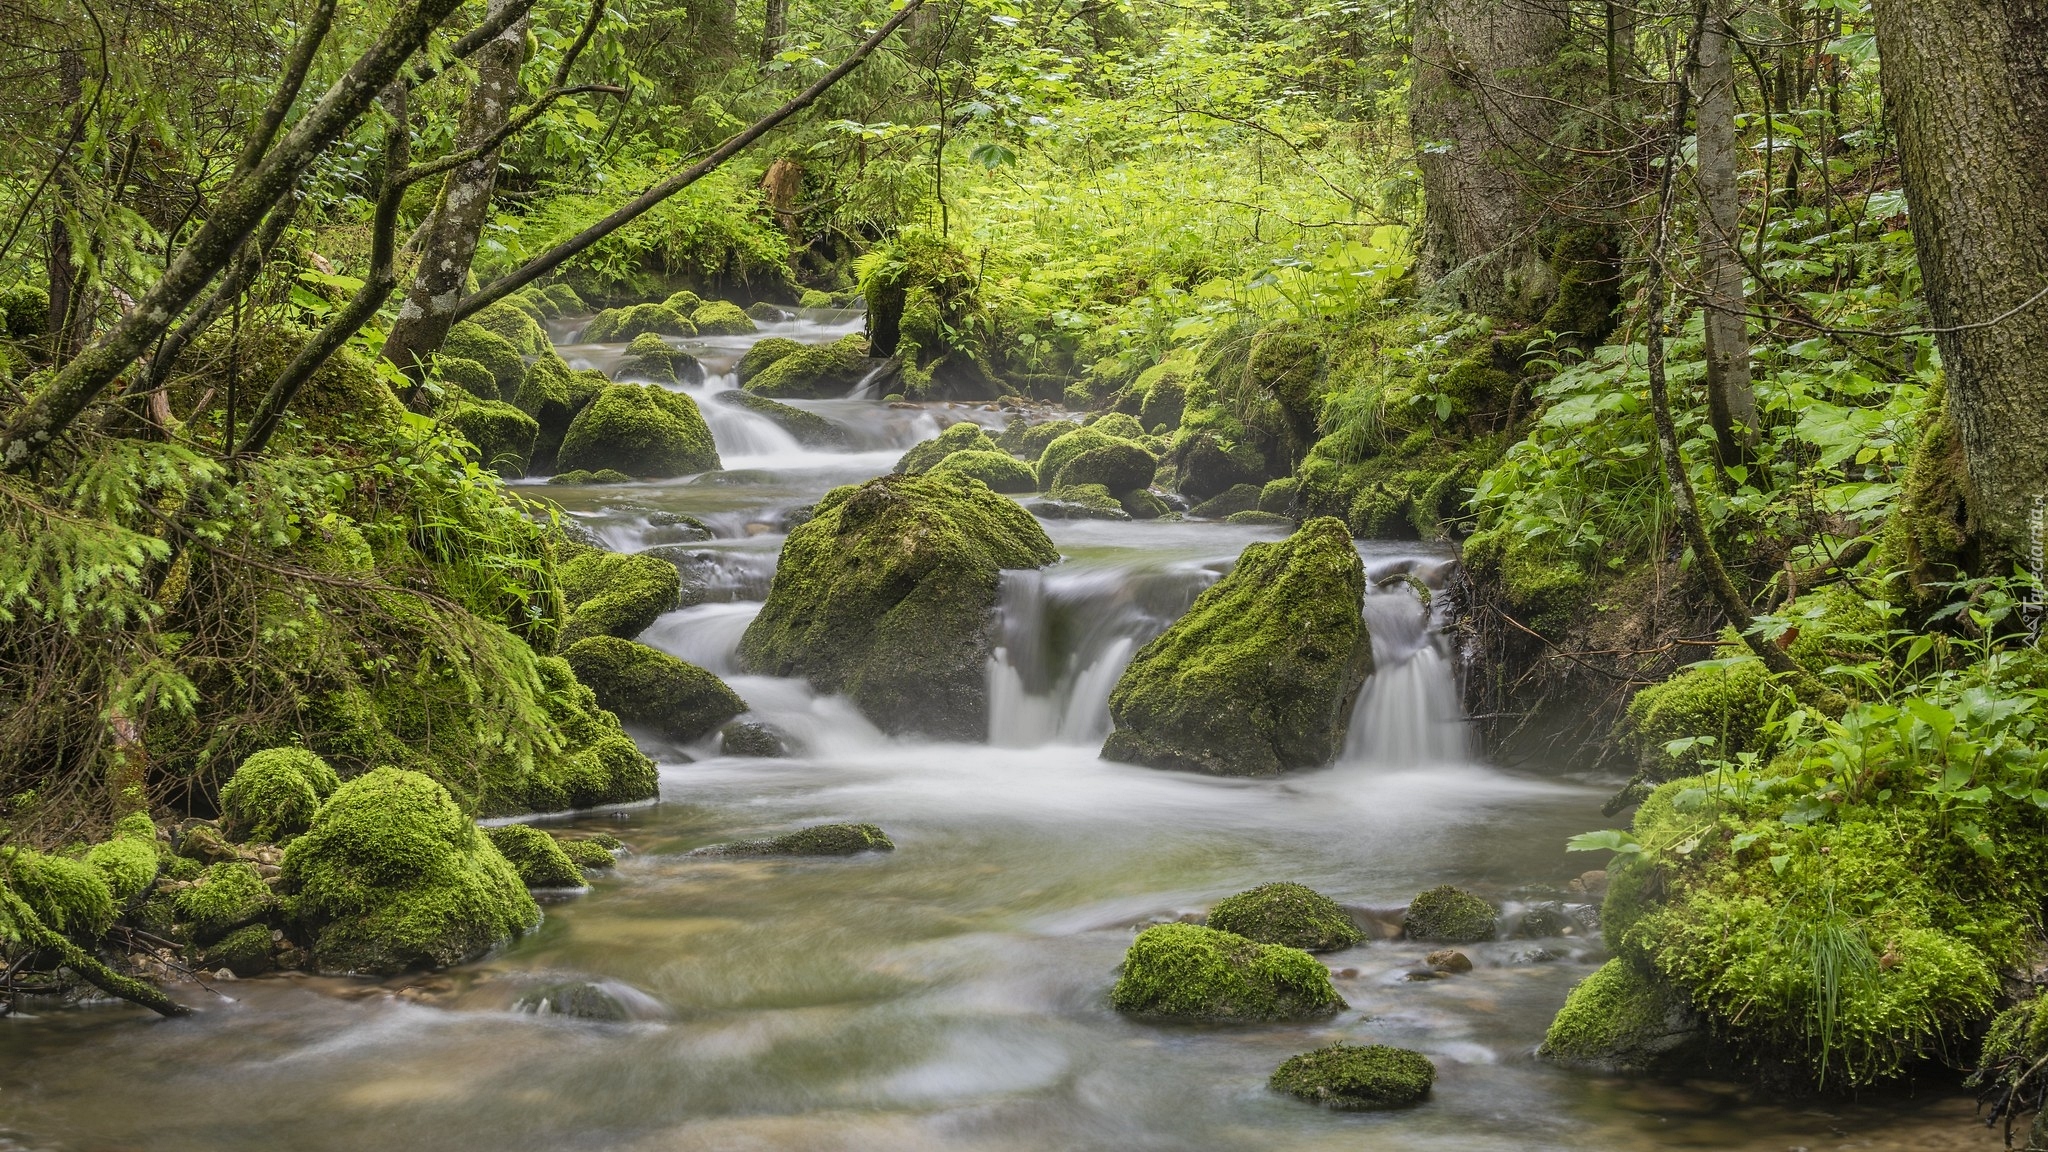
[952, 994]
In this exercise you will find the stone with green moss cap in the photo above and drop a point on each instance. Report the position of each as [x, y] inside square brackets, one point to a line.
[999, 470]
[761, 355]
[1357, 1077]
[818, 840]
[471, 378]
[587, 853]
[535, 856]
[616, 594]
[615, 324]
[1291, 914]
[1447, 915]
[512, 324]
[1088, 456]
[470, 341]
[1623, 1019]
[128, 860]
[885, 595]
[639, 429]
[809, 428]
[229, 895]
[650, 358]
[503, 435]
[721, 318]
[1261, 673]
[393, 876]
[965, 436]
[652, 688]
[1029, 441]
[1195, 973]
[553, 394]
[274, 793]
[815, 371]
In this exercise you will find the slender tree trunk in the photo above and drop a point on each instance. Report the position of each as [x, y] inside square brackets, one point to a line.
[1967, 85]
[70, 320]
[464, 206]
[774, 28]
[1731, 398]
[783, 188]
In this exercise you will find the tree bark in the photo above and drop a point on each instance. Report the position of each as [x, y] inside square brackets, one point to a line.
[70, 320]
[1482, 117]
[783, 188]
[464, 205]
[1731, 396]
[1967, 85]
[774, 28]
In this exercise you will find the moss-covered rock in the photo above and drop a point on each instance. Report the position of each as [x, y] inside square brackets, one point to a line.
[809, 428]
[885, 593]
[748, 738]
[245, 952]
[128, 860]
[469, 340]
[1238, 498]
[510, 323]
[1190, 972]
[24, 311]
[535, 856]
[1029, 441]
[1142, 504]
[274, 794]
[1080, 502]
[999, 470]
[1447, 915]
[1357, 1077]
[766, 313]
[1261, 673]
[503, 435]
[229, 895]
[721, 318]
[587, 853]
[615, 594]
[392, 875]
[761, 355]
[1088, 456]
[1543, 589]
[652, 688]
[577, 1000]
[641, 430]
[818, 840]
[616, 324]
[68, 895]
[965, 436]
[1291, 914]
[553, 394]
[650, 358]
[473, 380]
[1622, 1019]
[813, 371]
[601, 476]
[1208, 464]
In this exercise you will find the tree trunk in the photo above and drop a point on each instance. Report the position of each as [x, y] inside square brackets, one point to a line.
[1731, 398]
[1966, 82]
[1481, 119]
[783, 188]
[774, 28]
[463, 208]
[70, 320]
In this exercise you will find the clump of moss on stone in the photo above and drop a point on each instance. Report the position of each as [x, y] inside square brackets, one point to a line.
[471, 341]
[128, 860]
[229, 895]
[535, 856]
[1447, 915]
[641, 430]
[1029, 441]
[472, 379]
[761, 355]
[721, 318]
[809, 428]
[814, 371]
[1231, 501]
[818, 840]
[1261, 673]
[1080, 502]
[1195, 973]
[601, 476]
[1622, 1019]
[274, 794]
[615, 594]
[1291, 914]
[650, 358]
[392, 875]
[514, 326]
[1543, 589]
[884, 595]
[502, 434]
[586, 853]
[616, 324]
[68, 895]
[246, 951]
[965, 436]
[650, 687]
[1090, 456]
[1001, 471]
[1357, 1077]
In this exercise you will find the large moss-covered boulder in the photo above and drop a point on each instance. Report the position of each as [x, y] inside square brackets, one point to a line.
[1196, 973]
[652, 688]
[885, 594]
[539, 861]
[1357, 1077]
[1447, 915]
[615, 594]
[393, 876]
[721, 318]
[616, 324]
[650, 358]
[962, 437]
[999, 470]
[1261, 674]
[761, 355]
[1089, 456]
[639, 429]
[817, 840]
[1291, 914]
[814, 371]
[469, 340]
[553, 393]
[503, 435]
[809, 428]
[1623, 1019]
[512, 324]
[463, 379]
[274, 794]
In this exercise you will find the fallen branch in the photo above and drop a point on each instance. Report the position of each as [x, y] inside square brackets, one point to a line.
[42, 936]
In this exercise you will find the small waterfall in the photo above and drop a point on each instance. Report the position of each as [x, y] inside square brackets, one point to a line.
[1409, 712]
[865, 390]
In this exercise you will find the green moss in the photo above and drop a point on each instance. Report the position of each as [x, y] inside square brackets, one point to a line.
[1355, 1077]
[641, 430]
[965, 436]
[1279, 495]
[514, 326]
[1447, 915]
[721, 318]
[814, 371]
[129, 861]
[553, 394]
[535, 856]
[1090, 456]
[24, 311]
[1588, 288]
[275, 793]
[1118, 424]
[614, 325]
[69, 896]
[614, 594]
[999, 470]
[1261, 673]
[809, 428]
[229, 895]
[814, 298]
[245, 952]
[471, 341]
[1257, 519]
[1159, 394]
[1141, 504]
[588, 855]
[883, 595]
[503, 435]
[653, 688]
[1207, 461]
[1081, 502]
[1726, 703]
[1290, 914]
[818, 840]
[1189, 972]
[1543, 589]
[392, 875]
[746, 738]
[761, 355]
[475, 380]
[1622, 1019]
[601, 476]
[1238, 498]
[650, 358]
[565, 298]
[1029, 441]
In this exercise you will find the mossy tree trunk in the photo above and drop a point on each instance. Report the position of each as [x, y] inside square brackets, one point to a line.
[1731, 396]
[774, 28]
[1966, 82]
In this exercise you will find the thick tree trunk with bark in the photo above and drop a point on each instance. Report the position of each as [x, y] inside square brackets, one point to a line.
[1966, 82]
[1731, 397]
[1482, 118]
[463, 208]
[774, 28]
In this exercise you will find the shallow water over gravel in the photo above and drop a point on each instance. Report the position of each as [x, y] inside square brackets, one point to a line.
[952, 994]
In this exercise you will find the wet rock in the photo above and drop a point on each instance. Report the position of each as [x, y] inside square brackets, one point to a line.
[818, 840]
[1240, 498]
[1190, 972]
[535, 856]
[204, 843]
[650, 358]
[1079, 502]
[1357, 1077]
[1142, 504]
[817, 371]
[1261, 673]
[1544, 920]
[1207, 469]
[1449, 960]
[579, 1000]
[809, 428]
[1448, 915]
[245, 952]
[999, 470]
[748, 738]
[614, 594]
[1290, 914]
[965, 436]
[676, 528]
[1592, 885]
[1093, 456]
[761, 355]
[649, 687]
[601, 476]
[721, 318]
[1624, 1019]
[736, 477]
[615, 324]
[639, 429]
[768, 313]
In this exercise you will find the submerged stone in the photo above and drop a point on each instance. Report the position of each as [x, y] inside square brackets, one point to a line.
[1357, 1076]
[1261, 673]
[588, 853]
[819, 840]
[1191, 972]
[1291, 914]
[1447, 915]
[748, 738]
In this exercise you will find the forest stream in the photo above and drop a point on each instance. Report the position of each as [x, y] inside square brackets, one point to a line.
[951, 993]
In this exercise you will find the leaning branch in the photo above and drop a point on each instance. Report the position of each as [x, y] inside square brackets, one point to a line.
[42, 936]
